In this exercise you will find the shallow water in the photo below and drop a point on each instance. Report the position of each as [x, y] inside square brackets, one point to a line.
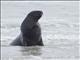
[60, 30]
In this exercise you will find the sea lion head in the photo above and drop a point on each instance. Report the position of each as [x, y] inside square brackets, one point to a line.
[35, 15]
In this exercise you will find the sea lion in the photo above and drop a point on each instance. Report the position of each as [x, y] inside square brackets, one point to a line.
[30, 31]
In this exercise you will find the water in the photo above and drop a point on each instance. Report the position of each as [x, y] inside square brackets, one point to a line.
[60, 30]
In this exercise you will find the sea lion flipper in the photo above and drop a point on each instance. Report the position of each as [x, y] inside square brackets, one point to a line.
[17, 41]
[40, 43]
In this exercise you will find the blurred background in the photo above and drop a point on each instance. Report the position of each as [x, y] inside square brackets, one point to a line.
[59, 25]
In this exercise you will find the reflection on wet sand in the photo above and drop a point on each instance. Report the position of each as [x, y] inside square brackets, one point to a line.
[36, 51]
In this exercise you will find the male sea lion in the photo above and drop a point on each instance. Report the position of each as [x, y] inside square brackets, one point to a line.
[30, 31]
